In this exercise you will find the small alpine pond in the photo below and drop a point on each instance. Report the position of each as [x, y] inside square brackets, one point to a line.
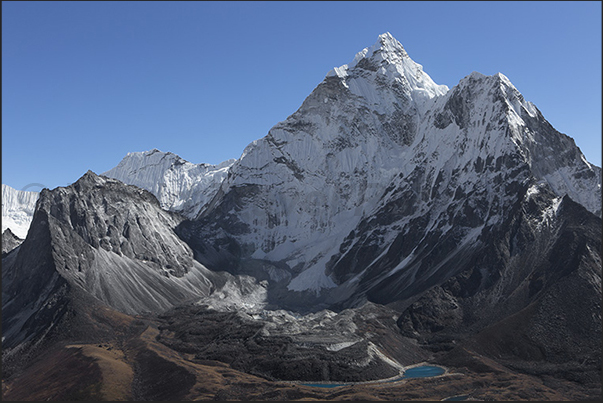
[423, 371]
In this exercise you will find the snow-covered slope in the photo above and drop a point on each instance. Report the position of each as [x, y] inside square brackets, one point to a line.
[17, 210]
[179, 185]
[305, 185]
[374, 130]
[484, 155]
[387, 63]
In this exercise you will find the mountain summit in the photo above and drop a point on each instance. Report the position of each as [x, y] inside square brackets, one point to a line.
[391, 65]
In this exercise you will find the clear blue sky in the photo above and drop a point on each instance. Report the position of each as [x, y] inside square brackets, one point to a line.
[84, 83]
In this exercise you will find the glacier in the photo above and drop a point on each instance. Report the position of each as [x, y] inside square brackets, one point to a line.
[17, 210]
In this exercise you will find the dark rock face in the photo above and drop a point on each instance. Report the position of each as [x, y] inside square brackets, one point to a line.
[33, 294]
[9, 242]
[436, 311]
[533, 299]
[104, 213]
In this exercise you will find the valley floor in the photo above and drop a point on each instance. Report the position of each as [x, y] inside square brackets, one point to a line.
[137, 364]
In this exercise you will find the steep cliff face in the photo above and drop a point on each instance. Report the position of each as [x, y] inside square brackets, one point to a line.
[466, 178]
[531, 299]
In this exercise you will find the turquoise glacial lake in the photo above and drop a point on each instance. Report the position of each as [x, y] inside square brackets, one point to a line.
[424, 371]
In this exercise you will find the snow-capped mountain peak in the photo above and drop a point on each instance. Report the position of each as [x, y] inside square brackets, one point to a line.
[378, 138]
[455, 213]
[179, 185]
[388, 65]
[387, 48]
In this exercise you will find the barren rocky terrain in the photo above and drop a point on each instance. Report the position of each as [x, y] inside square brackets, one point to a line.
[147, 358]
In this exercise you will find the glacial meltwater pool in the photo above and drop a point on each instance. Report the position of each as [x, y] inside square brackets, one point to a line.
[424, 371]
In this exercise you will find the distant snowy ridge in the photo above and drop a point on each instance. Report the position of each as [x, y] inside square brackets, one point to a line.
[17, 210]
[179, 185]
